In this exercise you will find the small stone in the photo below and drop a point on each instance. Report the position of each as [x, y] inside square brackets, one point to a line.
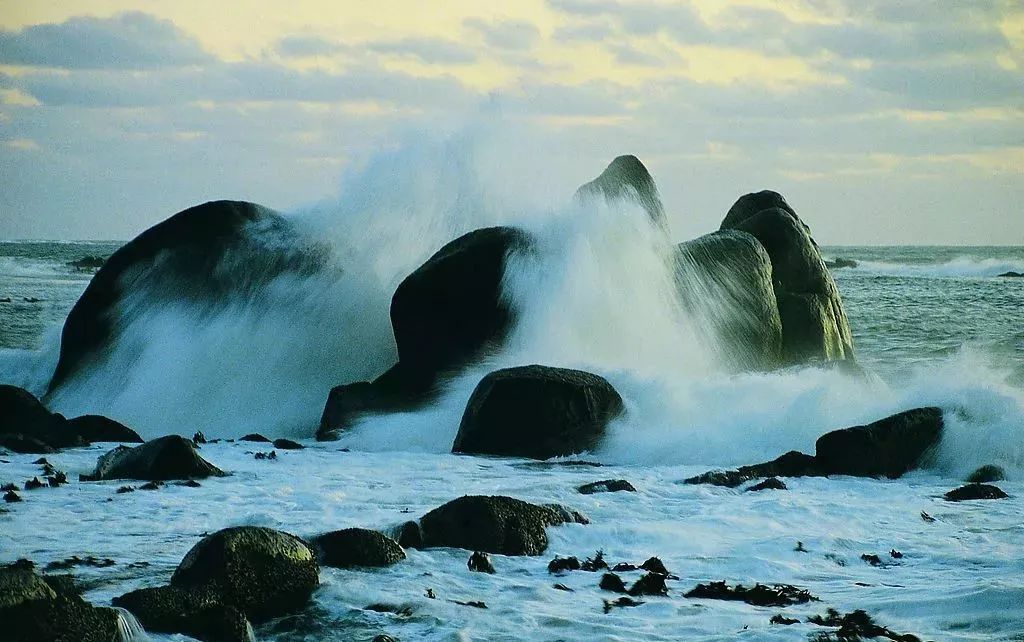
[287, 444]
[772, 483]
[562, 564]
[621, 602]
[198, 438]
[11, 497]
[125, 489]
[33, 484]
[612, 582]
[480, 562]
[896, 555]
[655, 565]
[871, 559]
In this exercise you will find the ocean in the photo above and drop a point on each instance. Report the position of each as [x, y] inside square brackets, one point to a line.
[932, 326]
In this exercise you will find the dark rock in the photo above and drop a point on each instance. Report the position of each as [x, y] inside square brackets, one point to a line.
[854, 626]
[352, 547]
[74, 560]
[88, 262]
[537, 412]
[33, 484]
[480, 562]
[26, 426]
[195, 611]
[814, 323]
[271, 455]
[287, 444]
[58, 479]
[261, 571]
[203, 254]
[27, 445]
[1012, 274]
[624, 567]
[254, 437]
[871, 559]
[840, 263]
[649, 584]
[975, 491]
[626, 179]
[655, 565]
[93, 428]
[606, 486]
[473, 603]
[778, 618]
[562, 587]
[199, 438]
[405, 610]
[125, 489]
[926, 517]
[33, 610]
[759, 595]
[562, 564]
[987, 473]
[151, 486]
[11, 497]
[8, 487]
[896, 555]
[410, 535]
[724, 279]
[170, 457]
[772, 483]
[612, 582]
[619, 603]
[792, 464]
[190, 483]
[384, 638]
[42, 461]
[567, 515]
[493, 524]
[595, 563]
[888, 447]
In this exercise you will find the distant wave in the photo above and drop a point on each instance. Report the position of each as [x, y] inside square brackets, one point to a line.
[962, 267]
[11, 266]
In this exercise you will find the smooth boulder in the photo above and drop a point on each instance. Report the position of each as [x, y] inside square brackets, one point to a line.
[96, 428]
[725, 280]
[814, 323]
[626, 178]
[27, 426]
[538, 412]
[353, 547]
[161, 459]
[495, 524]
[888, 447]
[203, 253]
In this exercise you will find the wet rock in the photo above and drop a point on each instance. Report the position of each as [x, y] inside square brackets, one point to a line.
[26, 426]
[96, 428]
[384, 638]
[567, 515]
[655, 565]
[606, 486]
[724, 280]
[595, 563]
[151, 486]
[649, 584]
[10, 497]
[888, 447]
[494, 524]
[896, 555]
[33, 484]
[987, 473]
[1013, 275]
[474, 603]
[627, 179]
[563, 564]
[538, 412]
[778, 618]
[409, 535]
[87, 263]
[24, 444]
[562, 587]
[74, 560]
[480, 562]
[840, 263]
[255, 437]
[619, 603]
[33, 610]
[196, 612]
[405, 610]
[8, 486]
[612, 582]
[352, 547]
[758, 595]
[170, 457]
[772, 483]
[814, 323]
[190, 483]
[975, 491]
[125, 489]
[854, 626]
[871, 559]
[792, 464]
[271, 455]
[926, 517]
[199, 438]
[287, 444]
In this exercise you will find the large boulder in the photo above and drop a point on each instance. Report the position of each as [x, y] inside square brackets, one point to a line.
[229, 577]
[814, 323]
[26, 426]
[352, 547]
[445, 314]
[96, 428]
[626, 178]
[202, 253]
[725, 280]
[495, 524]
[885, 448]
[538, 412]
[170, 457]
[34, 610]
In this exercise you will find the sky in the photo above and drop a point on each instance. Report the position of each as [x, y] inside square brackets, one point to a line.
[882, 122]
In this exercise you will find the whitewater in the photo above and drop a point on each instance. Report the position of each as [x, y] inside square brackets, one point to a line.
[932, 326]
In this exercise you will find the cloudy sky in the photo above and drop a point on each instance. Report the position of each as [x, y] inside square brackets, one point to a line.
[882, 121]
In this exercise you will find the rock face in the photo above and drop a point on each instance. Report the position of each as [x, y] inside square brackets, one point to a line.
[33, 610]
[814, 323]
[886, 448]
[445, 314]
[170, 457]
[495, 524]
[230, 577]
[538, 412]
[356, 547]
[725, 279]
[626, 178]
[203, 253]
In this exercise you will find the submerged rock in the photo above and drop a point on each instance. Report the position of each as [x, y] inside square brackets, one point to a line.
[34, 610]
[494, 524]
[352, 547]
[772, 483]
[857, 625]
[537, 412]
[888, 447]
[725, 280]
[758, 595]
[792, 464]
[480, 562]
[814, 323]
[1013, 275]
[170, 457]
[606, 486]
[975, 491]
